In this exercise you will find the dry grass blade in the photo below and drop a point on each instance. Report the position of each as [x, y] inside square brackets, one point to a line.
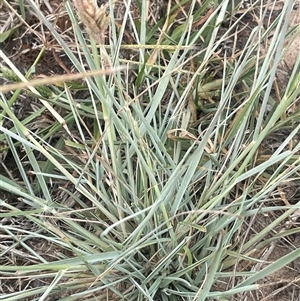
[58, 79]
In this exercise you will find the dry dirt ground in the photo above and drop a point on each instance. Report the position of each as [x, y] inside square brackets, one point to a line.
[23, 47]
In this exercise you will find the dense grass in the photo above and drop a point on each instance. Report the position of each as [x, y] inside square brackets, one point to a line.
[149, 188]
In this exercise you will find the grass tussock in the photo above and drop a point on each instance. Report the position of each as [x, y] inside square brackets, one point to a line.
[163, 165]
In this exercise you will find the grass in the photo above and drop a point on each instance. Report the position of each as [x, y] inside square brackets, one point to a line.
[153, 186]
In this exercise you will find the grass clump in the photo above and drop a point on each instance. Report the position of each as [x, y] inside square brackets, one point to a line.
[149, 181]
